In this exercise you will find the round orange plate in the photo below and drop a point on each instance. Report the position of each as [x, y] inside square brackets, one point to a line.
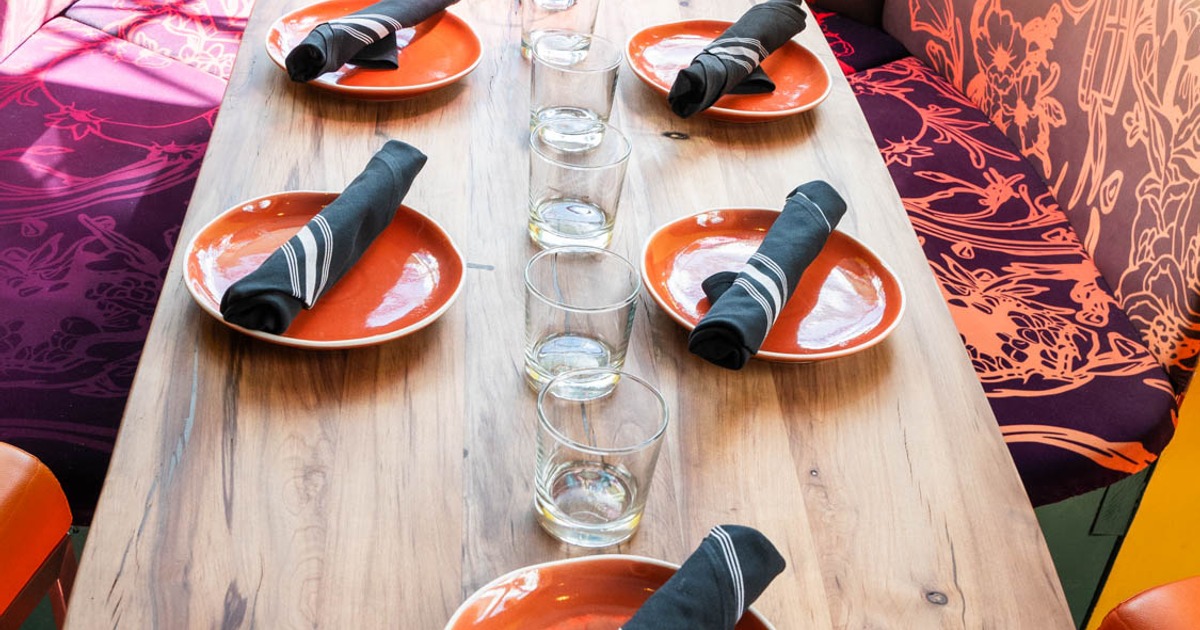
[434, 54]
[847, 300]
[586, 593]
[407, 278]
[658, 53]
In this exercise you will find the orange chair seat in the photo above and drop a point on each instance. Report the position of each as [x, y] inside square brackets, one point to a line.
[34, 517]
[1174, 606]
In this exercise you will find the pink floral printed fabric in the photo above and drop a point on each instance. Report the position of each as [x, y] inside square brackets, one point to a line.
[20, 18]
[102, 140]
[204, 34]
[1080, 400]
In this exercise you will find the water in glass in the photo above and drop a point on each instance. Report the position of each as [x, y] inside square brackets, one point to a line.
[588, 503]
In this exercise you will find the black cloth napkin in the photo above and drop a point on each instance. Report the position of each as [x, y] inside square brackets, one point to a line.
[730, 64]
[745, 305]
[308, 264]
[715, 585]
[366, 38]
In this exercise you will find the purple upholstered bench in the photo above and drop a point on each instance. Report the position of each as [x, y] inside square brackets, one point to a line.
[1046, 154]
[105, 114]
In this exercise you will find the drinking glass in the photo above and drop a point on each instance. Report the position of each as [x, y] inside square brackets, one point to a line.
[579, 309]
[538, 16]
[573, 76]
[596, 458]
[576, 172]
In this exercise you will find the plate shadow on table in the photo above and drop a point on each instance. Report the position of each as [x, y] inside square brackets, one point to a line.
[796, 385]
[656, 113]
[327, 105]
[349, 374]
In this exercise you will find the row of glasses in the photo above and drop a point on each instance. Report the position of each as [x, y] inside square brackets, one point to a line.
[577, 159]
[600, 429]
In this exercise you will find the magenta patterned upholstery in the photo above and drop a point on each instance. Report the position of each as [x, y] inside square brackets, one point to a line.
[20, 18]
[201, 33]
[1080, 400]
[1101, 97]
[100, 144]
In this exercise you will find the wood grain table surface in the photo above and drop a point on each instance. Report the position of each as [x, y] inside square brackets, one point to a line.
[255, 485]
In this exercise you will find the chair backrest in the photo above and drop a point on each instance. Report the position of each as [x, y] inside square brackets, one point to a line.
[1103, 97]
[34, 517]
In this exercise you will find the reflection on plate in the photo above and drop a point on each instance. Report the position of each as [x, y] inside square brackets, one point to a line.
[586, 593]
[658, 53]
[407, 278]
[847, 300]
[433, 54]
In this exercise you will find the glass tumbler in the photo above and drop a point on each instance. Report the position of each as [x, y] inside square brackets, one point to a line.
[596, 458]
[573, 76]
[576, 172]
[538, 16]
[579, 308]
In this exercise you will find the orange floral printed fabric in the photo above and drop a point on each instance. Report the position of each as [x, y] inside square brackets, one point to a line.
[1102, 97]
[1080, 400]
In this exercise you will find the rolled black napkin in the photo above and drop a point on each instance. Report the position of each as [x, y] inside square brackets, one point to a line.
[367, 38]
[308, 264]
[715, 586]
[730, 64]
[745, 305]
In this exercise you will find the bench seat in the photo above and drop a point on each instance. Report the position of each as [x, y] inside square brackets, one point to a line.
[1079, 398]
[101, 144]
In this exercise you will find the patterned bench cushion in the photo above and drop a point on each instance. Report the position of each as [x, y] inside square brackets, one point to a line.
[1080, 400]
[204, 34]
[857, 46]
[1102, 98]
[95, 176]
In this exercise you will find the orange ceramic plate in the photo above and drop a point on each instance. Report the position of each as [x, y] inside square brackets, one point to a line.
[434, 54]
[847, 300]
[586, 593]
[658, 53]
[407, 278]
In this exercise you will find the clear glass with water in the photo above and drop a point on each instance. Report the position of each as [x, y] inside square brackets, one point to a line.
[579, 308]
[596, 457]
[576, 174]
[574, 76]
[539, 16]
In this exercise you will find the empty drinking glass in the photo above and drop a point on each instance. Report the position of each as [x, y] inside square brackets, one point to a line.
[576, 172]
[573, 76]
[538, 16]
[596, 458]
[579, 309]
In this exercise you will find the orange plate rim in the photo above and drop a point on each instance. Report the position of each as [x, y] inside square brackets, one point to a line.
[726, 111]
[611, 557]
[779, 357]
[214, 309]
[398, 90]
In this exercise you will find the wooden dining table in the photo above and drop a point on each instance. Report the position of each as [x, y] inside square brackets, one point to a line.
[257, 485]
